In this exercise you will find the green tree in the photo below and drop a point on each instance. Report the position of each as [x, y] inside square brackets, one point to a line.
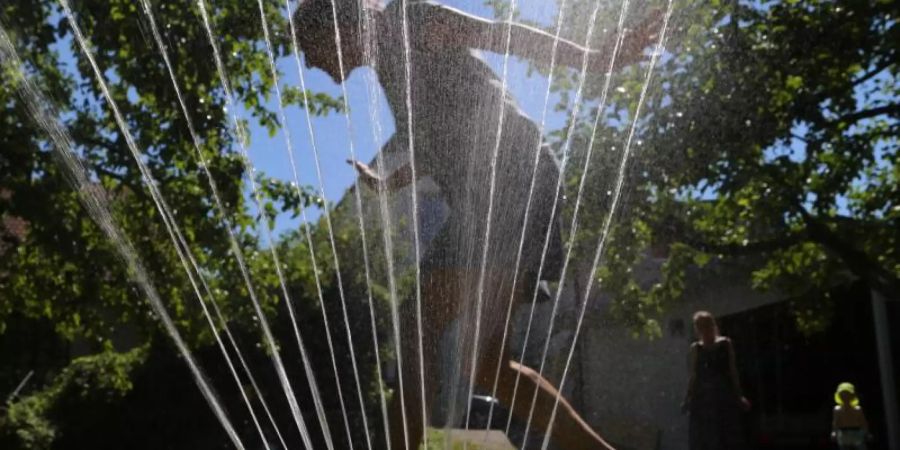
[768, 138]
[58, 270]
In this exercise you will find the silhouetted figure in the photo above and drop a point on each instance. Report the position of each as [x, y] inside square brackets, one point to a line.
[714, 400]
[454, 108]
[849, 427]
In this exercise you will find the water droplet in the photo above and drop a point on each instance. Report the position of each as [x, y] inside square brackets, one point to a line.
[208, 117]
[225, 109]
[748, 122]
[608, 193]
[679, 114]
[202, 101]
[620, 89]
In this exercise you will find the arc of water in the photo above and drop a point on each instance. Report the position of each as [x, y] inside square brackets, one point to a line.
[169, 222]
[371, 57]
[98, 208]
[573, 229]
[241, 138]
[359, 208]
[330, 228]
[487, 231]
[541, 129]
[189, 263]
[204, 164]
[620, 179]
[559, 183]
[415, 207]
[575, 216]
[567, 144]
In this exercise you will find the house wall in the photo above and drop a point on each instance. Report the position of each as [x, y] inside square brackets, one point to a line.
[632, 388]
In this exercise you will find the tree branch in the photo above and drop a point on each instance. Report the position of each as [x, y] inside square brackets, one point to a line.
[696, 240]
[751, 248]
[893, 108]
[888, 62]
[857, 261]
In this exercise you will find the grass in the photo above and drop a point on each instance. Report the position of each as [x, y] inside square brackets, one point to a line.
[436, 442]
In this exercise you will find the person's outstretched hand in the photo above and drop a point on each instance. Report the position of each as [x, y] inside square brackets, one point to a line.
[366, 174]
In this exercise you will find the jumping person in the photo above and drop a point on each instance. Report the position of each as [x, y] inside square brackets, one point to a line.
[454, 108]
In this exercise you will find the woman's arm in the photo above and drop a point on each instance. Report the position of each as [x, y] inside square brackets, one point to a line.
[732, 368]
[735, 379]
[451, 27]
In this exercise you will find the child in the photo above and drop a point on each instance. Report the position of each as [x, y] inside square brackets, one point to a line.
[453, 115]
[848, 426]
[714, 398]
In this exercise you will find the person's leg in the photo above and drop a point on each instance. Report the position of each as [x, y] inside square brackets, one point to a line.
[440, 305]
[570, 431]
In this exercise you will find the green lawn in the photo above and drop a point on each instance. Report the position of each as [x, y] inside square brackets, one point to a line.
[476, 439]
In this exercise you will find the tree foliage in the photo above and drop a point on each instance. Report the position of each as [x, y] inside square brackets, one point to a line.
[56, 268]
[768, 139]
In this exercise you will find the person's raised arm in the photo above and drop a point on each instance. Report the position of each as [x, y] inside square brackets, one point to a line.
[398, 179]
[447, 26]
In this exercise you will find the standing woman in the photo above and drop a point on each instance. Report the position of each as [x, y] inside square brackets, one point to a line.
[714, 400]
